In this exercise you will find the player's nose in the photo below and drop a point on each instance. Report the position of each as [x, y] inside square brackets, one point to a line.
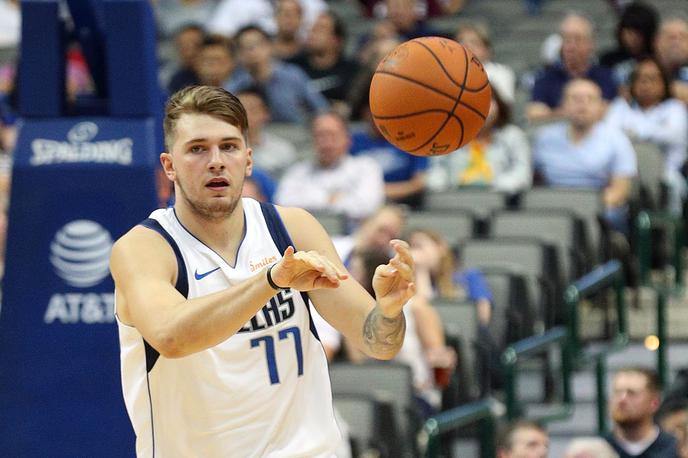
[215, 159]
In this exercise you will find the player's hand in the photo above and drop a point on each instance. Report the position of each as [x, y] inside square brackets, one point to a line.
[393, 282]
[306, 271]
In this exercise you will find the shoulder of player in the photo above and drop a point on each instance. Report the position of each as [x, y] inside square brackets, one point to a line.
[139, 248]
[304, 229]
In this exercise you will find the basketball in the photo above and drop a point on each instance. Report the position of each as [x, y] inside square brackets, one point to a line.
[429, 96]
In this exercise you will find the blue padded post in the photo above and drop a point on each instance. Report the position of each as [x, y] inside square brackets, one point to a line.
[131, 58]
[42, 60]
[89, 22]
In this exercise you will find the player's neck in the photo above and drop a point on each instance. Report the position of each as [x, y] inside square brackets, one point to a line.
[222, 235]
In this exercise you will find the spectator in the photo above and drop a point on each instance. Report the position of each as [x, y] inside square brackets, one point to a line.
[424, 341]
[584, 152]
[424, 8]
[671, 47]
[404, 173]
[577, 61]
[324, 61]
[634, 401]
[188, 40]
[289, 95]
[172, 15]
[635, 37]
[590, 447]
[408, 19]
[215, 62]
[476, 37]
[335, 180]
[653, 116]
[498, 158]
[673, 418]
[523, 439]
[233, 15]
[271, 153]
[288, 42]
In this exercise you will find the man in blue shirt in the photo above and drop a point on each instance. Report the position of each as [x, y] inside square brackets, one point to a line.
[577, 61]
[289, 95]
[404, 174]
[584, 152]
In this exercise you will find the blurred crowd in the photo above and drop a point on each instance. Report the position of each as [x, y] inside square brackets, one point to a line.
[297, 69]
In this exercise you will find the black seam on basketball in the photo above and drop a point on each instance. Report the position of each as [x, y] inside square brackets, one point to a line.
[408, 115]
[420, 83]
[439, 62]
[458, 99]
[478, 89]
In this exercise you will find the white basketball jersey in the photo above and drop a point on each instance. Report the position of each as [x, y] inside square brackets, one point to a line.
[263, 392]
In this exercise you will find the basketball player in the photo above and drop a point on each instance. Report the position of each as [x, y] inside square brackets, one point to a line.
[219, 354]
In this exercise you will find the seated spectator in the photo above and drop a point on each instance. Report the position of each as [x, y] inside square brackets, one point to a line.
[673, 418]
[651, 115]
[271, 153]
[498, 158]
[635, 37]
[188, 41]
[334, 180]
[289, 94]
[323, 58]
[408, 19]
[671, 47]
[577, 61]
[590, 447]
[523, 439]
[215, 63]
[288, 42]
[425, 8]
[584, 152]
[424, 342]
[476, 37]
[404, 174]
[259, 186]
[634, 401]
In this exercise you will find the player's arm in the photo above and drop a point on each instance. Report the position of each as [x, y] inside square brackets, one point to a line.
[144, 268]
[374, 326]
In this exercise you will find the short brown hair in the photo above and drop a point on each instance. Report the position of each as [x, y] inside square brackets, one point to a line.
[210, 100]
[506, 438]
[651, 376]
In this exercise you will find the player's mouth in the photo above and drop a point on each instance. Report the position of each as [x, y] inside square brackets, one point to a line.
[217, 184]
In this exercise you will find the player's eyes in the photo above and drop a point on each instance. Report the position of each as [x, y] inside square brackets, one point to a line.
[228, 147]
[196, 149]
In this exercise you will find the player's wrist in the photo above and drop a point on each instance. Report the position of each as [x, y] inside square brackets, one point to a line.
[271, 281]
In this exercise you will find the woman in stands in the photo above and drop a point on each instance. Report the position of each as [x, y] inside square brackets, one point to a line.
[651, 115]
[498, 158]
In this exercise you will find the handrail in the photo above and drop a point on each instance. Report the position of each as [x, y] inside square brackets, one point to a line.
[485, 410]
[645, 222]
[526, 347]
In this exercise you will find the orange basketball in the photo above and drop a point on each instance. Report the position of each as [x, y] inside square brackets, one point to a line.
[430, 96]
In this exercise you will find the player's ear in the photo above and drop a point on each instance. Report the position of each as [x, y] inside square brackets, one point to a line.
[249, 162]
[168, 165]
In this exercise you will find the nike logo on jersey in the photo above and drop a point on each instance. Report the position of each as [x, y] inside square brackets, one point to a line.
[204, 274]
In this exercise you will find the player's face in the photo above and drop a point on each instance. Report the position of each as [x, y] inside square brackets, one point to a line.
[631, 401]
[529, 443]
[208, 163]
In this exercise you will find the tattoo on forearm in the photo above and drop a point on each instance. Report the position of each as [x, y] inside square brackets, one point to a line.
[382, 335]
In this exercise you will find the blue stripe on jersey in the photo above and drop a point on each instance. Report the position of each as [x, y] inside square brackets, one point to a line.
[282, 240]
[182, 284]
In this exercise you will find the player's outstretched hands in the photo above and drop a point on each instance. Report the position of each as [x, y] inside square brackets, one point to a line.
[306, 271]
[393, 282]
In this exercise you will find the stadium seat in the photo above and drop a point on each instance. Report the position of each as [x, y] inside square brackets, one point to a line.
[455, 226]
[650, 187]
[561, 228]
[334, 223]
[370, 422]
[480, 201]
[388, 381]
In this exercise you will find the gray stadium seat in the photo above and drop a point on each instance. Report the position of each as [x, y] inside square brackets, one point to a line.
[388, 381]
[531, 257]
[558, 227]
[297, 134]
[370, 423]
[480, 201]
[650, 180]
[512, 307]
[585, 203]
[334, 223]
[454, 226]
